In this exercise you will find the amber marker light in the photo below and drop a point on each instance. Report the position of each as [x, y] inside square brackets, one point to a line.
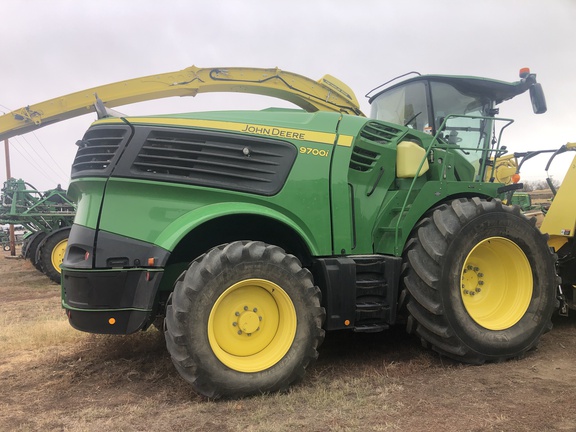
[347, 322]
[151, 262]
[112, 321]
[515, 178]
[524, 72]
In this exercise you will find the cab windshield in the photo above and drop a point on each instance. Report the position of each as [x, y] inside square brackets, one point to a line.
[405, 105]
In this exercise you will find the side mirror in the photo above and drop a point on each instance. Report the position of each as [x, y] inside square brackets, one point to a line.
[538, 99]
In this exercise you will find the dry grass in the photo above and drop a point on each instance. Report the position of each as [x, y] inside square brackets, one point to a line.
[57, 379]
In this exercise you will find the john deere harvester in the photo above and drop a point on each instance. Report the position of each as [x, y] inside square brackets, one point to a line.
[254, 232]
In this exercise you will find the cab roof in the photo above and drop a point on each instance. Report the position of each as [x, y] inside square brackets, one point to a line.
[496, 90]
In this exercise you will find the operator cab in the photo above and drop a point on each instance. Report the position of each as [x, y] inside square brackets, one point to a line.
[458, 110]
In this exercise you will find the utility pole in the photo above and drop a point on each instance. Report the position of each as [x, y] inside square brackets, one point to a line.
[8, 176]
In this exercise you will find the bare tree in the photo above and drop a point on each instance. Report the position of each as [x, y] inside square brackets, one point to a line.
[534, 185]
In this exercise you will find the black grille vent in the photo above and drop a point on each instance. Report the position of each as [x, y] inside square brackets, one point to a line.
[379, 132]
[96, 151]
[362, 159]
[372, 133]
[215, 159]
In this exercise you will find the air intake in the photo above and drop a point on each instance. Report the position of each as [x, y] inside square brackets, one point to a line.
[379, 132]
[215, 159]
[367, 149]
[96, 151]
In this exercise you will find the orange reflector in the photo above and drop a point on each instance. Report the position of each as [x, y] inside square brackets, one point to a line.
[524, 72]
[515, 178]
[347, 322]
[112, 321]
[151, 262]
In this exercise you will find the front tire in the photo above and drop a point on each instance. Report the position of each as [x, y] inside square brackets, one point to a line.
[245, 318]
[480, 280]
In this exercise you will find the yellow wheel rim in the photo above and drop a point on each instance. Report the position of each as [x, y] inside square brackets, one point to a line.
[496, 283]
[252, 325]
[57, 255]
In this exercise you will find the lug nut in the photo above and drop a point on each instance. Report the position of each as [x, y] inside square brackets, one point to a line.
[245, 308]
[478, 290]
[480, 274]
[239, 332]
[237, 314]
[234, 324]
[466, 292]
[255, 310]
[480, 282]
[472, 293]
[476, 269]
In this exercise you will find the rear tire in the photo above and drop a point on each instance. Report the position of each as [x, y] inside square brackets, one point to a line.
[245, 318]
[32, 249]
[481, 281]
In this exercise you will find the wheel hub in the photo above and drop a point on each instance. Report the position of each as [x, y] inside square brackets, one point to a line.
[472, 281]
[248, 321]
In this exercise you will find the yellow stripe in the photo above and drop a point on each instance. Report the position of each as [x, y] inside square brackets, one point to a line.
[345, 140]
[272, 131]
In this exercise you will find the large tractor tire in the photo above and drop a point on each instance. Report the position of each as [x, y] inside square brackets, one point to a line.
[245, 318]
[31, 250]
[51, 253]
[481, 281]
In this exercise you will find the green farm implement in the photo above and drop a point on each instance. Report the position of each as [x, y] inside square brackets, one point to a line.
[47, 216]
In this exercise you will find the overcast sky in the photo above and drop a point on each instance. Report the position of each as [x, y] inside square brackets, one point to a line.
[52, 48]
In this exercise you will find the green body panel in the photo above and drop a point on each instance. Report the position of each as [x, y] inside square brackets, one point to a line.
[371, 191]
[334, 209]
[342, 192]
[177, 209]
[88, 194]
[162, 213]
